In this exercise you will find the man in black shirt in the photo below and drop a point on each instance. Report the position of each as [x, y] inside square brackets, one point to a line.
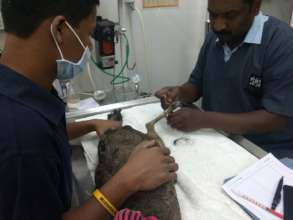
[244, 75]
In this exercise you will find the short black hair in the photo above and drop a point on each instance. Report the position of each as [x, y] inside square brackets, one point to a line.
[23, 17]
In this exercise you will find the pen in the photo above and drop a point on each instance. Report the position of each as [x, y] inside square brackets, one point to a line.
[258, 204]
[277, 196]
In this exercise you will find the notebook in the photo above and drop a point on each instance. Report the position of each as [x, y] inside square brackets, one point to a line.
[259, 183]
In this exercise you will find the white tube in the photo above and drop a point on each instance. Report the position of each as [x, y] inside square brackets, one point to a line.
[147, 70]
[91, 77]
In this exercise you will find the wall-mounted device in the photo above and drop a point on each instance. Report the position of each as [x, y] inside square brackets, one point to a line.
[104, 36]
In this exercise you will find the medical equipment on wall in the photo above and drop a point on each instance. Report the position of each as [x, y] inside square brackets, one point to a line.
[111, 57]
[109, 33]
[104, 36]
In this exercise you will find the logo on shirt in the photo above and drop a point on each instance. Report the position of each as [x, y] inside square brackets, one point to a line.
[255, 85]
[255, 82]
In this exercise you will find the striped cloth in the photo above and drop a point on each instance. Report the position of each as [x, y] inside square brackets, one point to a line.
[127, 214]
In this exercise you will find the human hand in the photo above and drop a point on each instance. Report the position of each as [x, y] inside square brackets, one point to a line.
[168, 95]
[101, 126]
[149, 167]
[187, 119]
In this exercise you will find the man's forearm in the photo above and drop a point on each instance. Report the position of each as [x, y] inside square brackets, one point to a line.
[117, 191]
[254, 122]
[78, 129]
[189, 93]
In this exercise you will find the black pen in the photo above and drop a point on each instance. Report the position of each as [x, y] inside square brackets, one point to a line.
[278, 193]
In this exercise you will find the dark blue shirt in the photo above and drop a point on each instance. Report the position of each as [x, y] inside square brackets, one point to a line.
[257, 76]
[35, 170]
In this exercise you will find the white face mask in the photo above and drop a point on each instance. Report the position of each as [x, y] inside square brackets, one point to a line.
[66, 69]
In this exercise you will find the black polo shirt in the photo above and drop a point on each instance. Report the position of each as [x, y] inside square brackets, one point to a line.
[35, 167]
[258, 76]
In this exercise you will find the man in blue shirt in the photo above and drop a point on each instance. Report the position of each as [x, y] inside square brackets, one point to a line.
[244, 75]
[35, 168]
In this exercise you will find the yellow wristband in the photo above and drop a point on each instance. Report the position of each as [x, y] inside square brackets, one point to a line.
[105, 202]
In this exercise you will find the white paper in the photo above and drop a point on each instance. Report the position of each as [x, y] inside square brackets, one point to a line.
[259, 182]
